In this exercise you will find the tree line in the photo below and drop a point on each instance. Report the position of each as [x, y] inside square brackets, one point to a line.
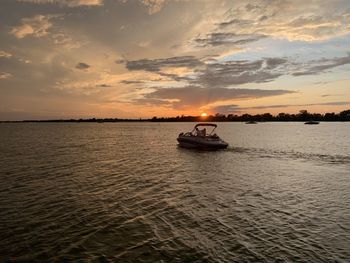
[303, 115]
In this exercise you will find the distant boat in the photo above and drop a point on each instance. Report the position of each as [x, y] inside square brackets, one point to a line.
[199, 139]
[251, 122]
[312, 122]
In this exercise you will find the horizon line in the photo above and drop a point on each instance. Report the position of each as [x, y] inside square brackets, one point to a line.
[282, 116]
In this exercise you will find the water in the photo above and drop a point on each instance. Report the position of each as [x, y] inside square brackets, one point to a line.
[124, 192]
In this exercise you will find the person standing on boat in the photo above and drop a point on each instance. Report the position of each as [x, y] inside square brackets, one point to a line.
[201, 133]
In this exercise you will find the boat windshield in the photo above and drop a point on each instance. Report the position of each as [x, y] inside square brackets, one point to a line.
[198, 131]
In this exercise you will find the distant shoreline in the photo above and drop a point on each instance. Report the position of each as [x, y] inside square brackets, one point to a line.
[302, 116]
[136, 121]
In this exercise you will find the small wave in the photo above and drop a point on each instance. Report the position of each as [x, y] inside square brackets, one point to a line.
[269, 153]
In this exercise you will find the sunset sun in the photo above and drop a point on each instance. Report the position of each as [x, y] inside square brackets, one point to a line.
[204, 114]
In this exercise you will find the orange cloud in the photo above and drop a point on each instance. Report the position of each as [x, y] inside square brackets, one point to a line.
[36, 26]
[70, 3]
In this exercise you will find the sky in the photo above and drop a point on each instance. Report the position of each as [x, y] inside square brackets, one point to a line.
[145, 58]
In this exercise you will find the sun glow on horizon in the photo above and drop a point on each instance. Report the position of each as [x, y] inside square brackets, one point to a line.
[204, 114]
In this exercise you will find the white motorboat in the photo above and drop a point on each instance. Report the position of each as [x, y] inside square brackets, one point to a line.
[200, 139]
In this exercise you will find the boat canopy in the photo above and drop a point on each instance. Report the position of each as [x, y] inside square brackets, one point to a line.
[206, 124]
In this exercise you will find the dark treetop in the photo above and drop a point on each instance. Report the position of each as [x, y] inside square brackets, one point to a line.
[303, 116]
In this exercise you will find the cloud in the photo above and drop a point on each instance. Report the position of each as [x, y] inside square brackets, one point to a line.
[318, 66]
[194, 96]
[236, 108]
[230, 73]
[225, 38]
[69, 3]
[79, 87]
[292, 20]
[333, 103]
[155, 65]
[238, 72]
[153, 6]
[4, 54]
[104, 86]
[5, 75]
[132, 82]
[152, 102]
[82, 66]
[236, 22]
[258, 30]
[331, 95]
[272, 63]
[226, 109]
[44, 26]
[263, 70]
[214, 74]
[36, 26]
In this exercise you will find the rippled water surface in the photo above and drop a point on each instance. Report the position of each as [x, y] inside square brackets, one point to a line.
[124, 192]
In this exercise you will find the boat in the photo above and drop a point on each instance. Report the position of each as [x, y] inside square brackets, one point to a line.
[251, 122]
[312, 122]
[200, 139]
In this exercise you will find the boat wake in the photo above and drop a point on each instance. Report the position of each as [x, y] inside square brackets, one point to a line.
[270, 153]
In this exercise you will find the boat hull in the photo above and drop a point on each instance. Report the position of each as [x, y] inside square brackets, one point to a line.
[193, 142]
[311, 123]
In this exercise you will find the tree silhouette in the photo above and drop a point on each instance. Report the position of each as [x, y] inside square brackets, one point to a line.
[303, 116]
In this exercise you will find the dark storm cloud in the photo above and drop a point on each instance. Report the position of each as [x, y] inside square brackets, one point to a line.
[194, 96]
[155, 65]
[219, 39]
[82, 66]
[316, 67]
